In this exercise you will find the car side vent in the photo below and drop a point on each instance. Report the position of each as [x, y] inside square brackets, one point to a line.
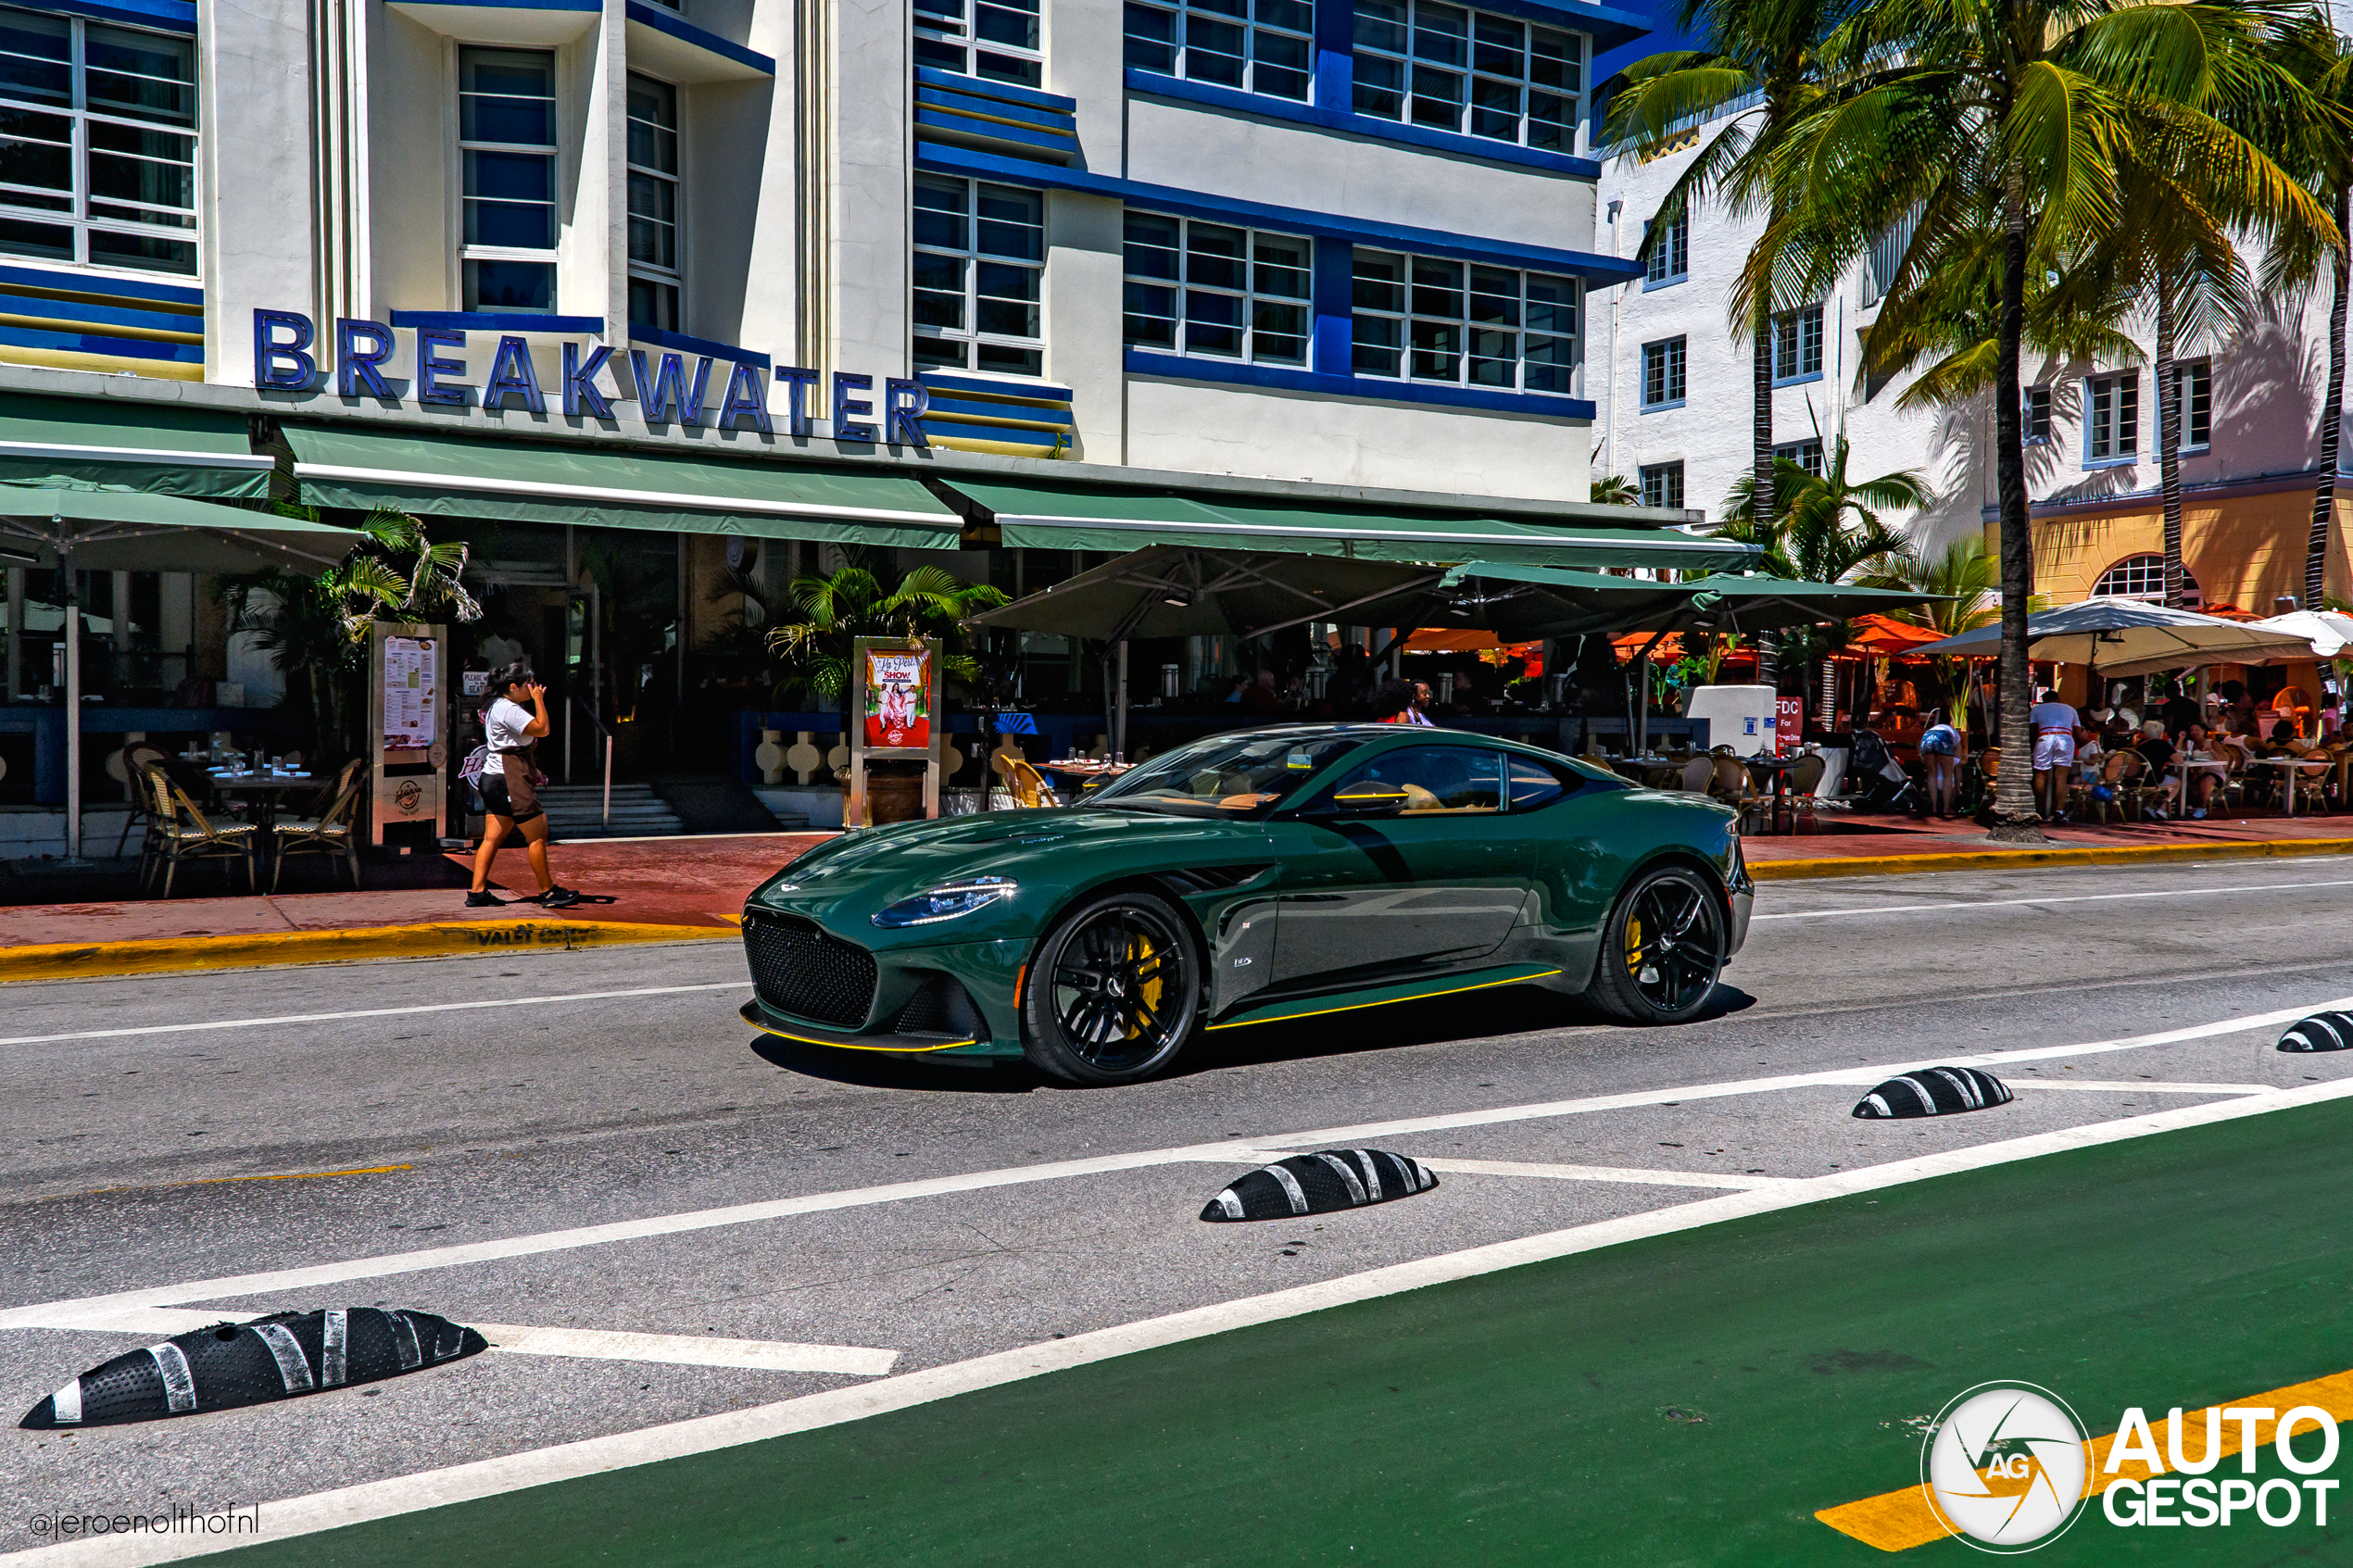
[1214, 879]
[941, 1010]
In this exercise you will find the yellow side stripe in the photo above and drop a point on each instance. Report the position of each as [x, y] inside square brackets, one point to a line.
[1387, 1001]
[845, 1046]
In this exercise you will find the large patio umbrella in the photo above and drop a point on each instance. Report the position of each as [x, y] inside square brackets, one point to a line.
[2328, 631]
[104, 530]
[2131, 637]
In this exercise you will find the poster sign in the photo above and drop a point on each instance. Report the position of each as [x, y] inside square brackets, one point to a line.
[411, 688]
[1791, 732]
[898, 699]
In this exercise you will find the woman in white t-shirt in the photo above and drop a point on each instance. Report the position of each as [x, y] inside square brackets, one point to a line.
[511, 785]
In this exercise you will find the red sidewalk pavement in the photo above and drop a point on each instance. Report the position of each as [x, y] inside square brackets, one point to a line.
[1903, 839]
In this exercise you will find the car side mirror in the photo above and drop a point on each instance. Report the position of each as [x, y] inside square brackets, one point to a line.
[1364, 800]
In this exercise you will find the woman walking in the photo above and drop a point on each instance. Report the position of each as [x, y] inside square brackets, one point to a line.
[511, 785]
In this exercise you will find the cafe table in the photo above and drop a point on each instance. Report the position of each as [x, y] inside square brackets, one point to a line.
[2289, 762]
[1776, 770]
[265, 789]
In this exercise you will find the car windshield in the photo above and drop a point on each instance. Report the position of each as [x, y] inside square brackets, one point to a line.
[1229, 776]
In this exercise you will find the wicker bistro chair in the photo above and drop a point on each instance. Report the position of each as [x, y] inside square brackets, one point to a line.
[2085, 796]
[1028, 786]
[187, 834]
[136, 758]
[1805, 778]
[1734, 787]
[1698, 773]
[333, 832]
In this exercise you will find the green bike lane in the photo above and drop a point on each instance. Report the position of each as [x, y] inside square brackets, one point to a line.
[1687, 1398]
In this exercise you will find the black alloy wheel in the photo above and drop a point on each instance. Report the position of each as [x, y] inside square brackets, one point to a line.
[1663, 949]
[1114, 992]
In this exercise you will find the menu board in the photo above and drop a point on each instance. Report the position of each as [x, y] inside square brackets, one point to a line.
[898, 699]
[411, 693]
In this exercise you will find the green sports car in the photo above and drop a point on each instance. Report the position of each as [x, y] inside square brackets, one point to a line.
[1244, 880]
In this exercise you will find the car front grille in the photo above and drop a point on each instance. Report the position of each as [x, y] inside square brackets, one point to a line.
[799, 970]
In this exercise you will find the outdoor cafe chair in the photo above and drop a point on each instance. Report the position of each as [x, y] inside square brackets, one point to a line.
[1805, 778]
[136, 758]
[1698, 773]
[333, 832]
[1029, 789]
[1734, 786]
[187, 834]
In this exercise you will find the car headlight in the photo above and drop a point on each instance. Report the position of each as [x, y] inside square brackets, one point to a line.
[950, 902]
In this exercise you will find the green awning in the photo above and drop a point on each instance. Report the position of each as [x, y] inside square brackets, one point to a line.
[121, 442]
[1544, 602]
[602, 487]
[1121, 518]
[140, 531]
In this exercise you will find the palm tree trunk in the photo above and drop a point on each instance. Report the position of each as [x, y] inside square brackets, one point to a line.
[2316, 549]
[1763, 505]
[2014, 812]
[2169, 442]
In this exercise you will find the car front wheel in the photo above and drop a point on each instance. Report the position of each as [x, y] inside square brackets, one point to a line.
[1663, 949]
[1113, 991]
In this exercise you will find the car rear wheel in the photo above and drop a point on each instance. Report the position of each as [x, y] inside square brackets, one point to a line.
[1663, 949]
[1113, 991]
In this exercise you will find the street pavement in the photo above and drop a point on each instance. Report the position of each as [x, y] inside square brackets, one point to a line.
[445, 1134]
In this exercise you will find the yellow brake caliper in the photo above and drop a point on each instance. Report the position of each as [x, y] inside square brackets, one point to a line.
[1141, 950]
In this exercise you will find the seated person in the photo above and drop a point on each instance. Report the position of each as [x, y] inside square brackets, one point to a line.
[2208, 768]
[2158, 752]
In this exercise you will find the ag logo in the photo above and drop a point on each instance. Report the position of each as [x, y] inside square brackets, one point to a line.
[408, 796]
[2004, 1468]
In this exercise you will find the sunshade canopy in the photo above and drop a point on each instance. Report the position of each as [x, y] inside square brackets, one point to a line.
[2131, 637]
[602, 487]
[1122, 518]
[1545, 602]
[133, 531]
[2328, 631]
[116, 442]
[1879, 635]
[1185, 591]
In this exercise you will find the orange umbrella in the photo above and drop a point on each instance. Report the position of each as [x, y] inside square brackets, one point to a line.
[1443, 639]
[1670, 649]
[1878, 635]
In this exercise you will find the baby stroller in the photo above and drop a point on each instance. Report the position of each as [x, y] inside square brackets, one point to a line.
[1879, 782]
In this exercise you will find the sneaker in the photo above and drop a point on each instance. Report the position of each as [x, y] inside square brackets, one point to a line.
[2199, 814]
[2157, 814]
[560, 898]
[482, 901]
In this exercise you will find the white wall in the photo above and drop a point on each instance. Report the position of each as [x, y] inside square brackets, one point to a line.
[873, 188]
[254, 73]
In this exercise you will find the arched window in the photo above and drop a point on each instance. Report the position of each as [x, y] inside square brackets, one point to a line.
[2143, 577]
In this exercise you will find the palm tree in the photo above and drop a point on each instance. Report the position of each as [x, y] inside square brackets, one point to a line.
[1615, 490]
[1768, 51]
[1962, 581]
[825, 615]
[2323, 160]
[1951, 111]
[1829, 525]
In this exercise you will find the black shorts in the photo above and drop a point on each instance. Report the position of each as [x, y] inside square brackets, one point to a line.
[510, 788]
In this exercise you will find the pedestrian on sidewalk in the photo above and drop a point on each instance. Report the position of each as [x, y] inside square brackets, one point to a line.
[2054, 722]
[1941, 746]
[511, 785]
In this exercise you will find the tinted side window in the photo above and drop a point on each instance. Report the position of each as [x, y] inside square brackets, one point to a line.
[1458, 779]
[1533, 784]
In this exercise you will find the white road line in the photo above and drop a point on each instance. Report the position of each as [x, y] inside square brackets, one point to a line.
[2125, 1086]
[1604, 1174]
[688, 1349]
[1249, 1150]
[2032, 903]
[290, 1517]
[373, 1013]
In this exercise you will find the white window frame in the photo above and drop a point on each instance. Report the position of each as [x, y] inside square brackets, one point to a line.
[552, 151]
[2111, 419]
[1420, 59]
[2193, 384]
[1797, 345]
[1662, 485]
[2138, 577]
[23, 204]
[1422, 318]
[1260, 296]
[674, 276]
[1667, 256]
[1806, 454]
[1262, 23]
[974, 338]
[956, 24]
[1675, 373]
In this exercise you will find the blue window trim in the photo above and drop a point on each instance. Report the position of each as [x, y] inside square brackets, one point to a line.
[1797, 381]
[1047, 396]
[677, 27]
[1607, 25]
[981, 87]
[105, 344]
[164, 16]
[2131, 460]
[2093, 464]
[1661, 408]
[500, 322]
[100, 285]
[1151, 83]
[1650, 282]
[654, 337]
[1602, 270]
[1233, 372]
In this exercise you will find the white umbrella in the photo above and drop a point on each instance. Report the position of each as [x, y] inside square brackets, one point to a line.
[2131, 637]
[2327, 630]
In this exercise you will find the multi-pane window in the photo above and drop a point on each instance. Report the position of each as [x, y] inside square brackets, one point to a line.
[1257, 45]
[1662, 373]
[2112, 418]
[507, 141]
[1662, 485]
[1669, 258]
[2135, 577]
[1807, 455]
[1433, 320]
[1797, 343]
[1208, 288]
[980, 257]
[994, 40]
[97, 143]
[653, 203]
[2034, 412]
[2193, 386]
[1450, 69]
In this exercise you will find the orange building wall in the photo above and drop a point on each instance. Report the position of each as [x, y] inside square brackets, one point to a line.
[2243, 551]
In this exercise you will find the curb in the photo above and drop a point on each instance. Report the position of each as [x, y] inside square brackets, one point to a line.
[1987, 859]
[85, 960]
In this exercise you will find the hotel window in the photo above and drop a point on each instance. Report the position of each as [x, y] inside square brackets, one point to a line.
[1663, 484]
[1797, 343]
[2135, 577]
[1208, 288]
[653, 204]
[994, 40]
[97, 143]
[2112, 418]
[1450, 69]
[1663, 374]
[507, 141]
[2035, 414]
[1430, 320]
[1256, 45]
[980, 257]
[2193, 386]
[1669, 258]
[1807, 455]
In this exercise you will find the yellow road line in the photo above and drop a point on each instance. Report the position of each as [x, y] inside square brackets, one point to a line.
[1899, 1521]
[1387, 1001]
[76, 961]
[2058, 855]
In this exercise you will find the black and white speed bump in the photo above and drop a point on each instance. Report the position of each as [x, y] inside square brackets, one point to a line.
[1934, 1091]
[1318, 1184]
[2321, 1032]
[232, 1364]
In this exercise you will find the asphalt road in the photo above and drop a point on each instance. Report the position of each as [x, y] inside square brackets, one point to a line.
[199, 1165]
